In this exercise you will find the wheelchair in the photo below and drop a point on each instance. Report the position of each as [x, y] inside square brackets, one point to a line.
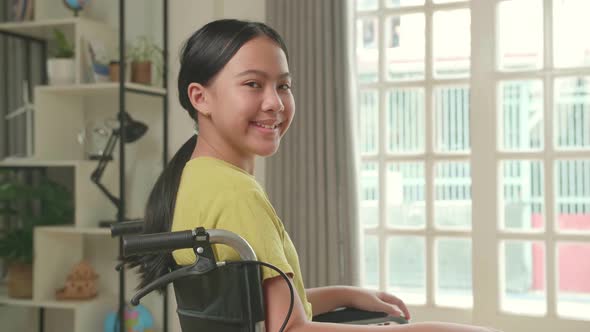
[220, 296]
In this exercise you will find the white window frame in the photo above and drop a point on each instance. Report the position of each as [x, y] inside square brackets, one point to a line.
[429, 157]
[486, 157]
[485, 160]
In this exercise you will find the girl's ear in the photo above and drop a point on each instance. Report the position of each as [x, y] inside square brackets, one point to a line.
[197, 94]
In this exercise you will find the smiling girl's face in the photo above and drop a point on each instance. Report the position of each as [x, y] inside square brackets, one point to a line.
[249, 101]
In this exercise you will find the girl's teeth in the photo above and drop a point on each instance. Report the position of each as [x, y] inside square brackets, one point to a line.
[265, 126]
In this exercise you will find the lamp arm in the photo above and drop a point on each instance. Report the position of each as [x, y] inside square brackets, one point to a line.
[102, 163]
[111, 197]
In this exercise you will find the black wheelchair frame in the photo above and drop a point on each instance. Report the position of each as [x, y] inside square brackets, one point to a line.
[220, 296]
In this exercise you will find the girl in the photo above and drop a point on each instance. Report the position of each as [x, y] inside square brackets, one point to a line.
[234, 82]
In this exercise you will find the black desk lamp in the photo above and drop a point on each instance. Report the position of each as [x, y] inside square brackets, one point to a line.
[134, 130]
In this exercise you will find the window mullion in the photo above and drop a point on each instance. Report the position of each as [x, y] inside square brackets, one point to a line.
[428, 158]
[382, 136]
[551, 271]
[484, 164]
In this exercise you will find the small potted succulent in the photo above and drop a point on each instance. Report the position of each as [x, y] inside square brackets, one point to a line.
[60, 65]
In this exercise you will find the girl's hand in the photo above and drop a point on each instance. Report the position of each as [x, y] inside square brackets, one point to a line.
[370, 300]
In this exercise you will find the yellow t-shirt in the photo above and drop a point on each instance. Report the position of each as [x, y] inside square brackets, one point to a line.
[217, 195]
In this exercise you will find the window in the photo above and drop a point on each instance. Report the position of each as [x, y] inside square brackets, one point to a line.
[474, 133]
[413, 117]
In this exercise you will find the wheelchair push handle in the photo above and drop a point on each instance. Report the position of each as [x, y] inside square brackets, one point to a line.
[126, 228]
[170, 241]
[157, 242]
[198, 239]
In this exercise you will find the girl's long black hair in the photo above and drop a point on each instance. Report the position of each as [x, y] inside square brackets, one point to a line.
[203, 55]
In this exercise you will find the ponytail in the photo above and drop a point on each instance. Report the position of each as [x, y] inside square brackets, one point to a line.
[159, 212]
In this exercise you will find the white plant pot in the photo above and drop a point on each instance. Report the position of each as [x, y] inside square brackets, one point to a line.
[61, 71]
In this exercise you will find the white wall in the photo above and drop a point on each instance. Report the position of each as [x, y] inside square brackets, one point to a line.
[187, 16]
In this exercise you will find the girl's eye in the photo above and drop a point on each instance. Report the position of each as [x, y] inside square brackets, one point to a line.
[285, 87]
[253, 84]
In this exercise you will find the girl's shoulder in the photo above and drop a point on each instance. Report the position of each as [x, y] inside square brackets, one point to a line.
[211, 181]
[216, 175]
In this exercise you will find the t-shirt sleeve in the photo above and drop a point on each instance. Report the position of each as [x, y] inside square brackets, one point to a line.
[250, 215]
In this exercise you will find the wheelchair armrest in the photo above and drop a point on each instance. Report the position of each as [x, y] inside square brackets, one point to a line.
[357, 316]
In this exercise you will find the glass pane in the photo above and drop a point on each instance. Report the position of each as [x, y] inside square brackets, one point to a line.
[370, 262]
[521, 115]
[407, 273]
[452, 187]
[368, 121]
[403, 3]
[405, 195]
[452, 43]
[523, 199]
[453, 273]
[405, 120]
[572, 188]
[572, 113]
[523, 278]
[367, 50]
[571, 45]
[573, 297]
[520, 46]
[367, 4]
[369, 192]
[451, 107]
[405, 45]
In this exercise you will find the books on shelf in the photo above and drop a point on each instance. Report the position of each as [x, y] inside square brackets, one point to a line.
[94, 59]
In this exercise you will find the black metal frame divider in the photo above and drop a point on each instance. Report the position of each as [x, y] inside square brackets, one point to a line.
[122, 101]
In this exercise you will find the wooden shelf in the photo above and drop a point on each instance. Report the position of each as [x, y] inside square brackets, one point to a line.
[76, 230]
[100, 89]
[30, 162]
[41, 29]
[53, 304]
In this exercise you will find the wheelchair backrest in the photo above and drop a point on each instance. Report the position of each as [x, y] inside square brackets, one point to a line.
[227, 299]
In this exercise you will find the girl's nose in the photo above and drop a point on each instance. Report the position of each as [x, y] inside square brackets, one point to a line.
[273, 102]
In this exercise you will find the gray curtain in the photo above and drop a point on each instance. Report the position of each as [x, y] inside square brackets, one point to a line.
[311, 180]
[20, 61]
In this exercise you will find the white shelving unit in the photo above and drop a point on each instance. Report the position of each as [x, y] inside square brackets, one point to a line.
[61, 112]
[100, 89]
[77, 30]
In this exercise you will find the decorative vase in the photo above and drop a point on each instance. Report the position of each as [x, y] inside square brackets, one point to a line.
[20, 280]
[114, 72]
[141, 72]
[61, 71]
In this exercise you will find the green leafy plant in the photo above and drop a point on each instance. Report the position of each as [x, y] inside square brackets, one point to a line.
[143, 49]
[63, 48]
[26, 206]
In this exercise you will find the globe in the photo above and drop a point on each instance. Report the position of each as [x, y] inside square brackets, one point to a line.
[137, 319]
[76, 5]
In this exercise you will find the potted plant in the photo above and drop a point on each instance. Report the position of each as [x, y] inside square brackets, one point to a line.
[114, 66]
[143, 54]
[60, 65]
[23, 208]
